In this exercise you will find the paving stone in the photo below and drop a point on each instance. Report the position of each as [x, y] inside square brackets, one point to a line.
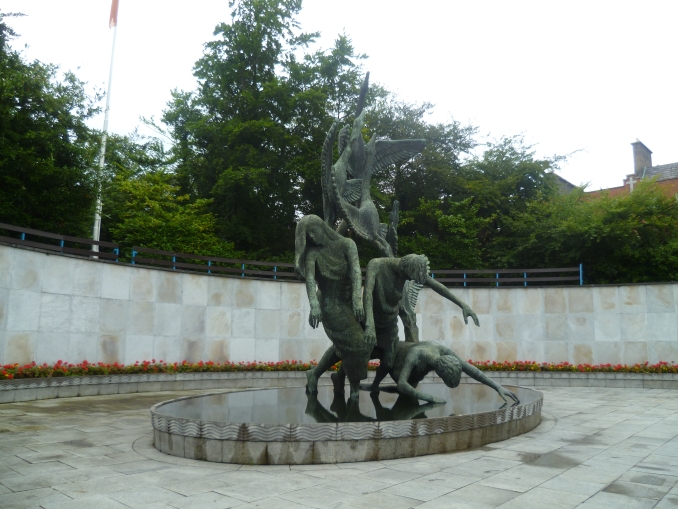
[28, 499]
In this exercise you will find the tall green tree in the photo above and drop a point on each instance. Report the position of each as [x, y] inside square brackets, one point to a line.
[250, 136]
[46, 148]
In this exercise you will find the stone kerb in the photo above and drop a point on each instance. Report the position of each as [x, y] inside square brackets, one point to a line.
[56, 307]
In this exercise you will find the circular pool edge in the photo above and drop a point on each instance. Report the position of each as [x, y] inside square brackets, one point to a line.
[343, 442]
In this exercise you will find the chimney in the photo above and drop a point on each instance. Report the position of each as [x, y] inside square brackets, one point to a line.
[642, 157]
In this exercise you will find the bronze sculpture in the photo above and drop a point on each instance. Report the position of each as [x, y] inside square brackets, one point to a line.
[324, 256]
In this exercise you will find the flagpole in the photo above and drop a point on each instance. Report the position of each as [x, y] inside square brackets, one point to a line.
[96, 230]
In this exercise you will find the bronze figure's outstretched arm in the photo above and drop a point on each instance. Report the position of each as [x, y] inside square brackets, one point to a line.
[481, 377]
[445, 292]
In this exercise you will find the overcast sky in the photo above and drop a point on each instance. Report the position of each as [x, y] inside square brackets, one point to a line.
[576, 75]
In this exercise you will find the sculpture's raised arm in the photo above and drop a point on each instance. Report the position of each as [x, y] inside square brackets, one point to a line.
[445, 292]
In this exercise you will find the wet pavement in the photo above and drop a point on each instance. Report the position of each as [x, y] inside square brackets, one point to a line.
[595, 448]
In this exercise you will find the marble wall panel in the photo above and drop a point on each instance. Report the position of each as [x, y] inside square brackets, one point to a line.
[579, 300]
[507, 351]
[606, 327]
[313, 349]
[267, 323]
[217, 349]
[167, 348]
[167, 319]
[292, 323]
[267, 350]
[4, 307]
[531, 351]
[20, 346]
[27, 273]
[607, 352]
[115, 281]
[192, 348]
[243, 324]
[268, 294]
[293, 296]
[195, 289]
[634, 352]
[87, 278]
[55, 312]
[111, 348]
[139, 348]
[481, 300]
[633, 326]
[554, 301]
[242, 349]
[143, 285]
[461, 348]
[84, 314]
[245, 293]
[292, 349]
[666, 351]
[660, 299]
[632, 299]
[140, 318]
[581, 353]
[530, 327]
[221, 291]
[580, 327]
[483, 350]
[113, 316]
[431, 328]
[486, 330]
[193, 321]
[529, 301]
[556, 327]
[454, 328]
[170, 288]
[506, 327]
[505, 301]
[662, 327]
[23, 310]
[57, 276]
[51, 346]
[605, 299]
[429, 302]
[6, 257]
[82, 347]
[218, 322]
[556, 351]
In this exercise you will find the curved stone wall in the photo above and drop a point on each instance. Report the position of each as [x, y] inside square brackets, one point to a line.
[60, 307]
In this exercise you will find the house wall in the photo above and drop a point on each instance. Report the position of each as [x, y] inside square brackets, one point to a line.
[56, 307]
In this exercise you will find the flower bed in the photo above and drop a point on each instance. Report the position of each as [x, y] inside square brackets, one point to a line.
[85, 368]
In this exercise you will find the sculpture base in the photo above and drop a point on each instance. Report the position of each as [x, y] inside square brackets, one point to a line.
[287, 427]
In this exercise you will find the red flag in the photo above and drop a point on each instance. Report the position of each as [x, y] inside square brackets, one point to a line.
[113, 21]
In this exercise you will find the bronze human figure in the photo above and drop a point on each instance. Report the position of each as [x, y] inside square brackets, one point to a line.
[325, 258]
[413, 362]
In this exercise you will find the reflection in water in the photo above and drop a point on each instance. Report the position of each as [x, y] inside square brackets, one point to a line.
[405, 408]
[291, 405]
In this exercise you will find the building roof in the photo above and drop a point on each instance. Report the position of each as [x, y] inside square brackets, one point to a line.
[664, 171]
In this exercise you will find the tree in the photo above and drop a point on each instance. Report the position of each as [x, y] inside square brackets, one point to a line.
[46, 148]
[151, 212]
[250, 136]
[626, 239]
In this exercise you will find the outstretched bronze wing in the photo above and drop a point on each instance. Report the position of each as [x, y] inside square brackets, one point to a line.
[388, 152]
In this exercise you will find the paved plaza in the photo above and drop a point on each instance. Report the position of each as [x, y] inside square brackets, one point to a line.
[595, 448]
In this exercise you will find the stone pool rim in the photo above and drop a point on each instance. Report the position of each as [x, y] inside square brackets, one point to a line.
[307, 443]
